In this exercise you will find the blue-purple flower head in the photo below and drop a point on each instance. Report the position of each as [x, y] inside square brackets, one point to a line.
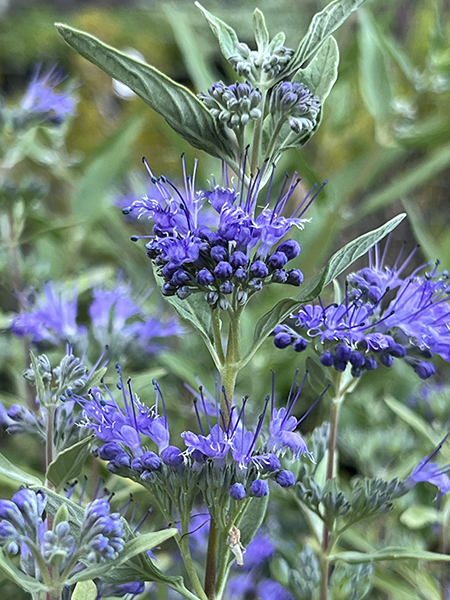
[234, 251]
[431, 472]
[371, 328]
[128, 427]
[42, 100]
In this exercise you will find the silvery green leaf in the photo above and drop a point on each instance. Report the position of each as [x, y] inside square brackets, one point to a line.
[69, 463]
[321, 27]
[85, 590]
[277, 40]
[252, 518]
[11, 572]
[335, 266]
[374, 78]
[182, 110]
[388, 553]
[13, 472]
[260, 30]
[195, 310]
[321, 73]
[225, 34]
[138, 545]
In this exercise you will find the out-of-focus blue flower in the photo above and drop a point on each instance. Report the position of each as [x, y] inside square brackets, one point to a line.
[232, 253]
[51, 317]
[368, 328]
[42, 99]
[431, 472]
[116, 320]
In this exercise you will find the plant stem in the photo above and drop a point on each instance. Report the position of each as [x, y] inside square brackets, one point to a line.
[336, 404]
[211, 560]
[183, 544]
[49, 447]
[216, 333]
[257, 137]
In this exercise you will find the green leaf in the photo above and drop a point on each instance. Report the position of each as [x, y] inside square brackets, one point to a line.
[225, 34]
[335, 266]
[26, 582]
[195, 310]
[135, 546]
[321, 73]
[416, 517]
[376, 88]
[13, 472]
[418, 174]
[85, 590]
[39, 382]
[94, 380]
[252, 518]
[412, 419]
[321, 27]
[388, 553]
[69, 463]
[260, 30]
[182, 110]
[109, 163]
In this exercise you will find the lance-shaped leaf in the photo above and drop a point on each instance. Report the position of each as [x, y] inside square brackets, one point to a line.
[335, 266]
[321, 73]
[321, 27]
[85, 590]
[13, 472]
[260, 29]
[225, 34]
[389, 553]
[69, 463]
[182, 110]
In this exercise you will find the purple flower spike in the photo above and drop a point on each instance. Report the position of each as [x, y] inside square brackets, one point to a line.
[41, 98]
[429, 471]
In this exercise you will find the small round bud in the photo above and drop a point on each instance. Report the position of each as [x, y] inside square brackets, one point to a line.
[327, 358]
[259, 269]
[270, 462]
[240, 274]
[397, 351]
[150, 461]
[205, 277]
[237, 491]
[219, 254]
[180, 277]
[259, 488]
[183, 292]
[357, 359]
[370, 364]
[277, 260]
[172, 456]
[425, 370]
[226, 287]
[223, 270]
[295, 277]
[343, 352]
[282, 340]
[110, 451]
[290, 248]
[238, 259]
[279, 276]
[300, 345]
[285, 478]
[386, 360]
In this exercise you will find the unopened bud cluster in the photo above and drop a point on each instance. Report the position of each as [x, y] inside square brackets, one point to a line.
[234, 105]
[251, 63]
[294, 102]
[221, 271]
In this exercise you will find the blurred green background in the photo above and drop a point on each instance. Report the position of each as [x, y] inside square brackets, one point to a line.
[383, 146]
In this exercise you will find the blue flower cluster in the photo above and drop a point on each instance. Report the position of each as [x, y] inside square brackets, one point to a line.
[225, 443]
[24, 531]
[116, 319]
[382, 317]
[41, 99]
[216, 242]
[235, 105]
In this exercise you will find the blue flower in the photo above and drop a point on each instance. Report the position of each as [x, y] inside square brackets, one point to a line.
[218, 241]
[42, 99]
[431, 472]
[51, 318]
[367, 329]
